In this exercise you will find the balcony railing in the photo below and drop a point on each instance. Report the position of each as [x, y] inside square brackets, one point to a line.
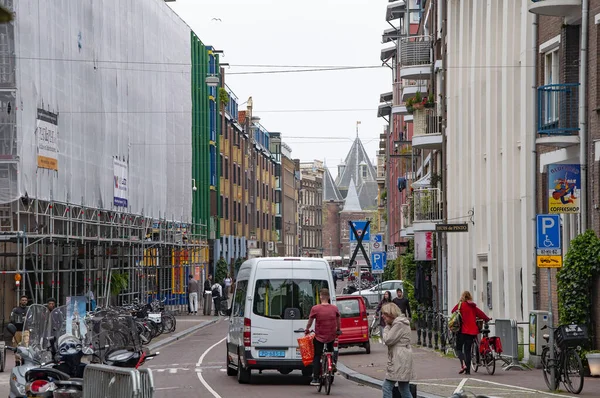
[558, 108]
[415, 50]
[426, 121]
[427, 205]
[407, 214]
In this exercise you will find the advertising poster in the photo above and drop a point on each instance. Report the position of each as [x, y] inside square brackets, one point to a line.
[76, 310]
[47, 140]
[564, 185]
[423, 246]
[120, 182]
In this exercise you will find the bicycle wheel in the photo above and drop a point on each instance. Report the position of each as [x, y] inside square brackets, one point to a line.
[328, 378]
[573, 372]
[475, 355]
[547, 365]
[322, 375]
[169, 322]
[490, 362]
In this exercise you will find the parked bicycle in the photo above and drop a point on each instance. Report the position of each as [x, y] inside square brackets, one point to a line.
[566, 363]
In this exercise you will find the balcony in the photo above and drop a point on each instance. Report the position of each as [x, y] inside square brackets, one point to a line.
[555, 8]
[427, 208]
[427, 129]
[558, 115]
[395, 10]
[415, 58]
[381, 170]
[407, 219]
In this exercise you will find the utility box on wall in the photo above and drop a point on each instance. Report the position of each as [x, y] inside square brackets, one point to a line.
[537, 320]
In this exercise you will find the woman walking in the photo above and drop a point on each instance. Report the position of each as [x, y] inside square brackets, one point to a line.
[387, 298]
[468, 329]
[396, 335]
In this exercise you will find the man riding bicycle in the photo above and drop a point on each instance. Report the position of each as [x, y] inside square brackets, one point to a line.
[327, 327]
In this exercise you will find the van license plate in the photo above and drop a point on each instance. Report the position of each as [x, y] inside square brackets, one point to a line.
[276, 354]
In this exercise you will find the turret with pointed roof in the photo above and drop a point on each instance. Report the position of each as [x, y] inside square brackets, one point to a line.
[359, 169]
[352, 203]
[330, 191]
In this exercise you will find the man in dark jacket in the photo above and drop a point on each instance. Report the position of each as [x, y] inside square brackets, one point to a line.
[402, 303]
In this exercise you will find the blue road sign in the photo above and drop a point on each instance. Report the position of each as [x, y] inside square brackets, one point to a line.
[378, 238]
[548, 231]
[360, 225]
[378, 262]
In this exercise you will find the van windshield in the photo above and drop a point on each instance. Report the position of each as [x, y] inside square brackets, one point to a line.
[272, 297]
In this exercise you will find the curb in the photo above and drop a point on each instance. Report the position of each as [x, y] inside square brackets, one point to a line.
[369, 381]
[182, 334]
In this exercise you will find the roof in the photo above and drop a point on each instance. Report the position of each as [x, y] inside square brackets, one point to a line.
[352, 202]
[352, 173]
[330, 191]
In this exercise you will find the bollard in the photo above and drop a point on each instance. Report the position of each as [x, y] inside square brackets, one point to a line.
[418, 325]
[444, 331]
[430, 326]
[436, 330]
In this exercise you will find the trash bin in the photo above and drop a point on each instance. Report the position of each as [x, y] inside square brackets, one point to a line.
[207, 302]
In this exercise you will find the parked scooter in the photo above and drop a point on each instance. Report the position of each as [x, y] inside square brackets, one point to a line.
[33, 349]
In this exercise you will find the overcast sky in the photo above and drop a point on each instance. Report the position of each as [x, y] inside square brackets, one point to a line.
[308, 33]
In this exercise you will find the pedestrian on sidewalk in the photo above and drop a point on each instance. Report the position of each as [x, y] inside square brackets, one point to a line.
[227, 286]
[469, 312]
[403, 303]
[396, 335]
[216, 296]
[193, 290]
[387, 298]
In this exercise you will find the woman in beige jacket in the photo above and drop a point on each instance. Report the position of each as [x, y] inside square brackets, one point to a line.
[396, 336]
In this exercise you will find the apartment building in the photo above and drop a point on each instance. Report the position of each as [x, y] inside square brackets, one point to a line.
[290, 174]
[567, 124]
[310, 209]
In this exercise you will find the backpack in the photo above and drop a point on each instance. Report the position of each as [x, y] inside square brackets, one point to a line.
[215, 292]
[455, 321]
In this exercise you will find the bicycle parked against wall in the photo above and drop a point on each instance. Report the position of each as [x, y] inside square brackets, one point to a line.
[567, 365]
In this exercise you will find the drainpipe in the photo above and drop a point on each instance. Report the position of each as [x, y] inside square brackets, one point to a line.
[533, 159]
[444, 104]
[583, 114]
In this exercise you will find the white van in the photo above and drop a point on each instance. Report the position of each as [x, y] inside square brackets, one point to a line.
[271, 304]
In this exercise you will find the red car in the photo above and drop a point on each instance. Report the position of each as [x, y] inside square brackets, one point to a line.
[355, 322]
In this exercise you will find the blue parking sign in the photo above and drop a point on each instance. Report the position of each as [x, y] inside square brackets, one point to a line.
[378, 262]
[548, 231]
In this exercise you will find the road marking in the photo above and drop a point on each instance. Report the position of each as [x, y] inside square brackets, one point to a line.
[521, 388]
[460, 385]
[199, 364]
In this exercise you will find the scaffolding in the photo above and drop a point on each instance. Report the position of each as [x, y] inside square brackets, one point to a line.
[61, 249]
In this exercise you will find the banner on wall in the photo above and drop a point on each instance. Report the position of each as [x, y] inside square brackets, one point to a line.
[121, 189]
[564, 186]
[423, 246]
[47, 140]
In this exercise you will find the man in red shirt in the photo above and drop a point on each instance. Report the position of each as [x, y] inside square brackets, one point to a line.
[327, 327]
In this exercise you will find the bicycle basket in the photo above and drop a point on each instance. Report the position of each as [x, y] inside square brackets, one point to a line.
[571, 336]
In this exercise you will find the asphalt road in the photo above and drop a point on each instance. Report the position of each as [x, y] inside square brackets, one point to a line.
[195, 366]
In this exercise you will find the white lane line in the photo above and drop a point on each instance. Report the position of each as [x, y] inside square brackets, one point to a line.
[460, 385]
[520, 388]
[199, 372]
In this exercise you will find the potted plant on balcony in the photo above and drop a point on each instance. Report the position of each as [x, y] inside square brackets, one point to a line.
[418, 101]
[430, 103]
[409, 106]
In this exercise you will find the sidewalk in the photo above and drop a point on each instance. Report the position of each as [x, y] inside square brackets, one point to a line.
[437, 375]
[186, 325]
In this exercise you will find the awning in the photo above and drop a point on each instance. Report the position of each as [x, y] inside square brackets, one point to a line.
[386, 97]
[423, 182]
[384, 110]
[387, 53]
[395, 10]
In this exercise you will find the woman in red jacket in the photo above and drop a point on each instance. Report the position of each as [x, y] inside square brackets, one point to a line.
[468, 330]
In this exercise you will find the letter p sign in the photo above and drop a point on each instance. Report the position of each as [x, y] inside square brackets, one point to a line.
[548, 231]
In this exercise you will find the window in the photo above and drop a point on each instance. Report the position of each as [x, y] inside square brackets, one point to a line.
[348, 308]
[364, 171]
[227, 208]
[226, 168]
[246, 215]
[239, 299]
[551, 76]
[235, 174]
[273, 296]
